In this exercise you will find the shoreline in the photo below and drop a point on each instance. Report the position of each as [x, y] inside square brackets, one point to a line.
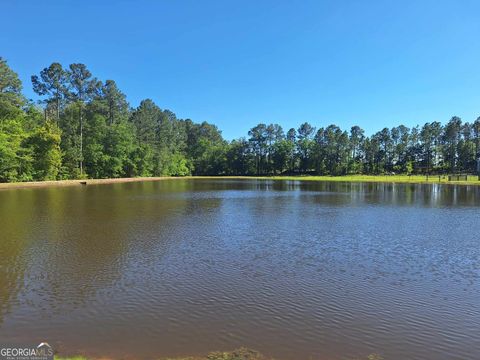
[402, 179]
[385, 179]
[237, 354]
[80, 182]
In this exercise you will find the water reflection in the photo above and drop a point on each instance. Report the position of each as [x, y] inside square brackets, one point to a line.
[295, 269]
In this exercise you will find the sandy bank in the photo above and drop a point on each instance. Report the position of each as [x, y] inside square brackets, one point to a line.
[79, 182]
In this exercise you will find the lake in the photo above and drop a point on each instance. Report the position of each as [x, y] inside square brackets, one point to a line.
[296, 270]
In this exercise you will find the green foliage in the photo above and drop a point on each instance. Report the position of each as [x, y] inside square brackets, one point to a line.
[11, 98]
[118, 148]
[409, 167]
[142, 157]
[239, 160]
[15, 159]
[87, 129]
[177, 165]
[282, 155]
[210, 158]
[52, 83]
[44, 143]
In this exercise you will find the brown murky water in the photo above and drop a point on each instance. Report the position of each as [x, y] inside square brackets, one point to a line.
[295, 270]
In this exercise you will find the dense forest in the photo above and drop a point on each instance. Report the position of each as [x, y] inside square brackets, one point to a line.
[85, 128]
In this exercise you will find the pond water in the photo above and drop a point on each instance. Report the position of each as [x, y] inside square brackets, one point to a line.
[296, 270]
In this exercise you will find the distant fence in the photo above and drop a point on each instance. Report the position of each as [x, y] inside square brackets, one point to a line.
[458, 177]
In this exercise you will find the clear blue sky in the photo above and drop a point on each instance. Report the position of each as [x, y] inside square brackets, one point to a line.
[236, 63]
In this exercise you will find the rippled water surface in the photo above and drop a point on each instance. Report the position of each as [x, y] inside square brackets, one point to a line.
[295, 270]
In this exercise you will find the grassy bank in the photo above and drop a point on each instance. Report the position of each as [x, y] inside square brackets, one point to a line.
[414, 179]
[239, 354]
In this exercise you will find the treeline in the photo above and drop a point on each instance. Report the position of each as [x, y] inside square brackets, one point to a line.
[84, 127]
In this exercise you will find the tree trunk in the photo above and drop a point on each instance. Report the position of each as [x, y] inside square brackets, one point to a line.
[111, 113]
[81, 141]
[58, 110]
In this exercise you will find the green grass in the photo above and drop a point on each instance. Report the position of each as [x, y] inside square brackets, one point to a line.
[414, 179]
[239, 354]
